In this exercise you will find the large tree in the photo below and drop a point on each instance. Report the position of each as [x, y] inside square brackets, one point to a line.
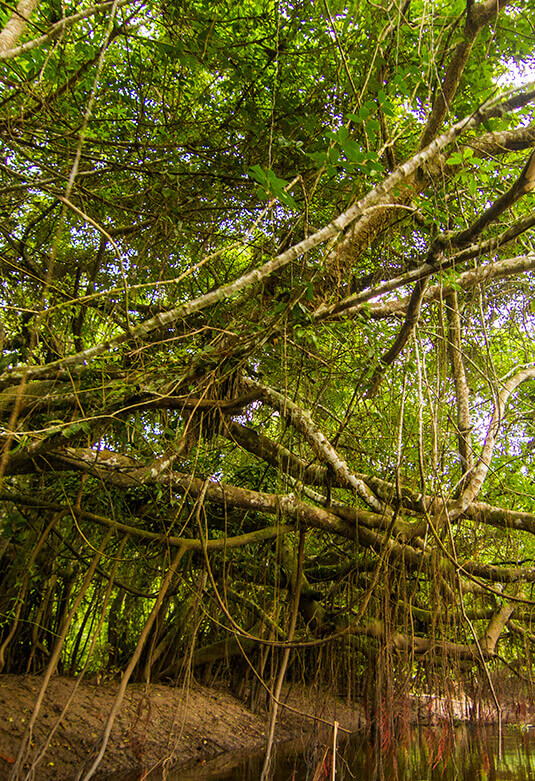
[267, 339]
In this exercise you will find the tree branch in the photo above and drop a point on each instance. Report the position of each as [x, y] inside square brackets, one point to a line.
[461, 386]
[475, 480]
[302, 421]
[377, 195]
[7, 52]
[16, 25]
[477, 17]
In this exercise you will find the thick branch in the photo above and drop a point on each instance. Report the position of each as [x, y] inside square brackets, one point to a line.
[275, 454]
[496, 626]
[188, 543]
[418, 645]
[16, 25]
[276, 504]
[477, 17]
[499, 142]
[477, 477]
[302, 421]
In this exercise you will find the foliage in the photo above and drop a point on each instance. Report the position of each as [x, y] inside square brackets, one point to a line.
[266, 283]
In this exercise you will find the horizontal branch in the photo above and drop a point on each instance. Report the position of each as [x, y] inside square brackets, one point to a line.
[465, 281]
[360, 530]
[222, 543]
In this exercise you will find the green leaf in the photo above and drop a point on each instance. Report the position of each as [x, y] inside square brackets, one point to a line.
[455, 159]
[353, 151]
[258, 174]
[373, 125]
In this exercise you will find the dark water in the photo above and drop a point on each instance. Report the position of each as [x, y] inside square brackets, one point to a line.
[444, 753]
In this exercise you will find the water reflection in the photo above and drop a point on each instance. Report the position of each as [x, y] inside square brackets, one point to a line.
[444, 753]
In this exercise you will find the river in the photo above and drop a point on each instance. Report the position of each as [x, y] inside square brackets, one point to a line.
[464, 753]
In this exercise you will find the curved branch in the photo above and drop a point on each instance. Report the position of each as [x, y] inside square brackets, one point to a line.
[411, 318]
[477, 17]
[298, 511]
[302, 421]
[480, 472]
[275, 454]
[499, 142]
[496, 625]
[524, 184]
[188, 543]
[465, 281]
[357, 301]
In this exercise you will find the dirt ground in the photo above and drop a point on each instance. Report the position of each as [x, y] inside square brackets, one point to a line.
[158, 725]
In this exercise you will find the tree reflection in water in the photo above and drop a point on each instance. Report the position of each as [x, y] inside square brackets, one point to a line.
[437, 753]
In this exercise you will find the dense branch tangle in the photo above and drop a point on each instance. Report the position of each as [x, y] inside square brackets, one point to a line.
[244, 318]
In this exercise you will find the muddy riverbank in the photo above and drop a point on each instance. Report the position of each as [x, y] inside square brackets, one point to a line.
[158, 725]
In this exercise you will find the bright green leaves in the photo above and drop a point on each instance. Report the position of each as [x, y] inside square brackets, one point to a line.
[304, 330]
[271, 186]
[460, 157]
[352, 147]
[451, 280]
[78, 427]
[176, 52]
[466, 176]
[346, 154]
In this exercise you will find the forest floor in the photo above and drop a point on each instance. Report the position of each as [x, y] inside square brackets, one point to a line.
[184, 728]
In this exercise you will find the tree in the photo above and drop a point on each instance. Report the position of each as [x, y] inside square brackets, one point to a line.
[267, 339]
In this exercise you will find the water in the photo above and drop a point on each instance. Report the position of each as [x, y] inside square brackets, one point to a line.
[465, 753]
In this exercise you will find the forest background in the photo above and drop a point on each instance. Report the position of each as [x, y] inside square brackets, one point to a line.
[267, 342]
